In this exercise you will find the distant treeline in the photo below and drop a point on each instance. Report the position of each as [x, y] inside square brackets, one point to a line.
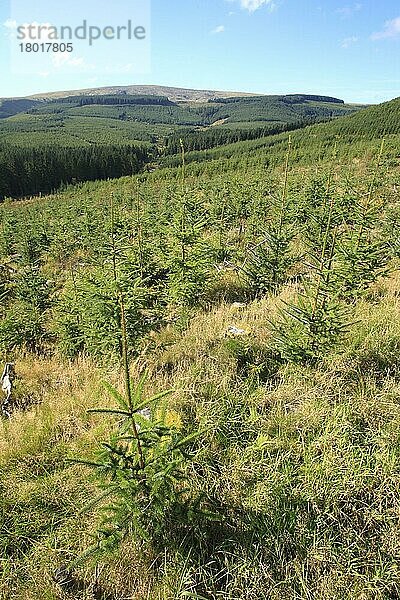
[29, 171]
[118, 100]
[294, 98]
[288, 99]
[219, 136]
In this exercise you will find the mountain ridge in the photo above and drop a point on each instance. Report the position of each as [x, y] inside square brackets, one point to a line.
[173, 93]
[177, 94]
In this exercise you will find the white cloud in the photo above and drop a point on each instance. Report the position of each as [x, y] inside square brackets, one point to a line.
[349, 11]
[390, 31]
[11, 27]
[127, 68]
[349, 41]
[219, 29]
[63, 59]
[123, 68]
[10, 24]
[253, 5]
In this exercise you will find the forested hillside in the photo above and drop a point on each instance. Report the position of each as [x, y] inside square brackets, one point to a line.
[207, 357]
[78, 136]
[352, 135]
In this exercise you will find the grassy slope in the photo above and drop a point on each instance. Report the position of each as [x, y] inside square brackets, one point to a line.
[305, 466]
[308, 467]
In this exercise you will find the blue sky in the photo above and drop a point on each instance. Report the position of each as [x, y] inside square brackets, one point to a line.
[342, 48]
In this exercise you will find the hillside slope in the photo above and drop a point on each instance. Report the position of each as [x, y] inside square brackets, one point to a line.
[175, 94]
[261, 289]
[353, 135]
[75, 138]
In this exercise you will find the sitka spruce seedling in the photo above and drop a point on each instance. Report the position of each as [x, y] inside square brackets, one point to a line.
[269, 259]
[141, 469]
[189, 256]
[311, 325]
[364, 253]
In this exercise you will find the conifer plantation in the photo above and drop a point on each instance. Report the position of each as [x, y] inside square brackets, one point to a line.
[205, 326]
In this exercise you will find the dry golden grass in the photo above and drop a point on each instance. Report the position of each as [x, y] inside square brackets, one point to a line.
[56, 396]
[319, 445]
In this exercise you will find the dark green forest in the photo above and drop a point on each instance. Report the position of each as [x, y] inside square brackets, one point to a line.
[28, 171]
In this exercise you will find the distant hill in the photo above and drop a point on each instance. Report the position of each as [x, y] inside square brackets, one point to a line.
[175, 94]
[181, 96]
[172, 93]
